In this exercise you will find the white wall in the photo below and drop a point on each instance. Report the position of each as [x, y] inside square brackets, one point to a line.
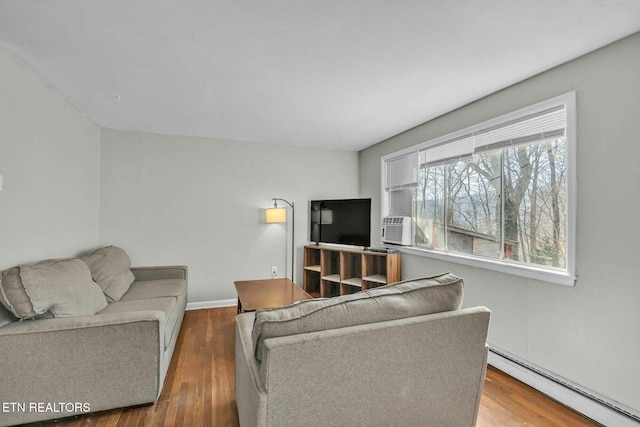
[588, 333]
[49, 159]
[200, 202]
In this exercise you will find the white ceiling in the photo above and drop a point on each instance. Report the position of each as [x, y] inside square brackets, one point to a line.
[341, 74]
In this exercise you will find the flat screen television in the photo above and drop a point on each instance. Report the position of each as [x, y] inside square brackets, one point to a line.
[344, 221]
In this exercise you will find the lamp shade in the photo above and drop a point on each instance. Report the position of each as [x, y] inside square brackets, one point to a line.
[274, 215]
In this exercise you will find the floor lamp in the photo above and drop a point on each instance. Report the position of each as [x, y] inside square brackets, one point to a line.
[275, 215]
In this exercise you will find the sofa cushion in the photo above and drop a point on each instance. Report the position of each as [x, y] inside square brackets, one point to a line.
[110, 268]
[145, 289]
[168, 308]
[61, 288]
[396, 301]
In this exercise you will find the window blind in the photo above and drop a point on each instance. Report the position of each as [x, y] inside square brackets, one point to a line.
[538, 126]
[402, 171]
[449, 150]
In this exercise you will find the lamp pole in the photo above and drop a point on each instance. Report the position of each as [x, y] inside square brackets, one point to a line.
[293, 222]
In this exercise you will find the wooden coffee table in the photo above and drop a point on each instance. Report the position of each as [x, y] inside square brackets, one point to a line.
[255, 294]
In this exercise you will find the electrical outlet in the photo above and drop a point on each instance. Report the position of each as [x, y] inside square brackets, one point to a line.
[274, 271]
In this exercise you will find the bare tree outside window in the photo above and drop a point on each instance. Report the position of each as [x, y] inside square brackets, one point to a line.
[509, 203]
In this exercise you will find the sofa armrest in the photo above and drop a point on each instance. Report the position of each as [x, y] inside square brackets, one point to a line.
[56, 324]
[251, 397]
[93, 362]
[160, 272]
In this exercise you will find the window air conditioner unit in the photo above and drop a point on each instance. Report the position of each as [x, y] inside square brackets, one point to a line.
[396, 230]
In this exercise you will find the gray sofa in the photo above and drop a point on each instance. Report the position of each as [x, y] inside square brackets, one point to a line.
[399, 355]
[59, 359]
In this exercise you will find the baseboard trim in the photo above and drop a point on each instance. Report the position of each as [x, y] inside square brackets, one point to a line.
[596, 407]
[211, 304]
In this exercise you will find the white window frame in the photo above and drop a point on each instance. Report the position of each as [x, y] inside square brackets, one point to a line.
[567, 276]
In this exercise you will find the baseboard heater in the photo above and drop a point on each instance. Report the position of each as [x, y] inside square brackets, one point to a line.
[587, 402]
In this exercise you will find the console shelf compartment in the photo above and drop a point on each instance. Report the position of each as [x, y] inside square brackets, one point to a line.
[331, 271]
[311, 273]
[354, 281]
[378, 278]
[332, 278]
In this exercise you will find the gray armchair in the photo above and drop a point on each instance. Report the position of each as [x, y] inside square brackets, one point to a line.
[400, 355]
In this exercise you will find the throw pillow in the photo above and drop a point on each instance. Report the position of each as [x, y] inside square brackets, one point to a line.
[61, 288]
[13, 296]
[6, 316]
[396, 301]
[111, 270]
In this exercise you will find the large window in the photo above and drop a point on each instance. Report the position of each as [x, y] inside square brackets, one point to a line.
[498, 195]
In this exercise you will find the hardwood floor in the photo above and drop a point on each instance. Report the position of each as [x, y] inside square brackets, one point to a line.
[200, 391]
[508, 402]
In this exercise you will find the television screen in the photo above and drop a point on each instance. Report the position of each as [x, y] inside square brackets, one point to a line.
[345, 221]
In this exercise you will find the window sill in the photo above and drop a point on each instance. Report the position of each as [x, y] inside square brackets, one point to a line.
[557, 277]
